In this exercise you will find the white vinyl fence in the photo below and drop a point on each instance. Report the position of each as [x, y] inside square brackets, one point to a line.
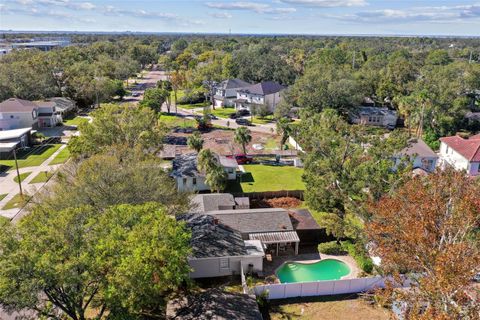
[294, 143]
[319, 288]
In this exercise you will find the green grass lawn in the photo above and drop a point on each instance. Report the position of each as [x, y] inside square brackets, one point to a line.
[74, 120]
[175, 121]
[180, 94]
[27, 158]
[43, 176]
[192, 106]
[22, 176]
[16, 202]
[262, 178]
[264, 120]
[61, 157]
[223, 112]
[2, 196]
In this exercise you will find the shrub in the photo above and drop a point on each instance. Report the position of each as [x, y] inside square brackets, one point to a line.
[358, 252]
[331, 247]
[192, 97]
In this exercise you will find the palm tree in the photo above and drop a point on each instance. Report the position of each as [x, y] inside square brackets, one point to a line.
[206, 160]
[216, 178]
[243, 137]
[283, 129]
[195, 142]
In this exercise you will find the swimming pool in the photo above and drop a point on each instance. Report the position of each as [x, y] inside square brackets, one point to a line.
[328, 269]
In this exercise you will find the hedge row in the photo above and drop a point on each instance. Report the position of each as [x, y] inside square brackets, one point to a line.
[355, 250]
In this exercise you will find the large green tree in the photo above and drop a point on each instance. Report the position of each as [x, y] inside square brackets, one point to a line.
[86, 263]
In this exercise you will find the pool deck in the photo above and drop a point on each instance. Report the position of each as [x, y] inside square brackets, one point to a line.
[269, 268]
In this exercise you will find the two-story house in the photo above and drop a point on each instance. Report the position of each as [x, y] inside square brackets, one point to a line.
[461, 154]
[17, 113]
[226, 92]
[47, 114]
[261, 94]
[374, 116]
[187, 176]
[419, 154]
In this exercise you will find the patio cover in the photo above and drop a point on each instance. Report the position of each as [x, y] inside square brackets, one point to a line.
[276, 238]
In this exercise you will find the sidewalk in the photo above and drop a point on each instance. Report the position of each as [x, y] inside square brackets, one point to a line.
[10, 187]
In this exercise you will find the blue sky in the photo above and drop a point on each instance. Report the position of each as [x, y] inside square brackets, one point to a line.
[427, 17]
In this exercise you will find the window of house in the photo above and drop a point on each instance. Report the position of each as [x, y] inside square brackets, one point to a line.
[11, 117]
[194, 181]
[184, 181]
[224, 263]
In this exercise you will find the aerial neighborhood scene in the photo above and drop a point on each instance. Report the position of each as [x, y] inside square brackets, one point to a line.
[277, 159]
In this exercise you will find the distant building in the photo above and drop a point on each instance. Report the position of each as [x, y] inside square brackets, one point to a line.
[226, 92]
[42, 44]
[187, 176]
[419, 154]
[17, 113]
[265, 93]
[47, 114]
[373, 116]
[461, 154]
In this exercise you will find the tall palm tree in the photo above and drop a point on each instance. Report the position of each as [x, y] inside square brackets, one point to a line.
[195, 141]
[216, 178]
[206, 160]
[243, 137]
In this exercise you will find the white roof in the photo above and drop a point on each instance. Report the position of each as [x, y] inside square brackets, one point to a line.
[275, 237]
[7, 146]
[12, 134]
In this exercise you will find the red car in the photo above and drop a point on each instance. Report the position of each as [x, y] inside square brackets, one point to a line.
[242, 158]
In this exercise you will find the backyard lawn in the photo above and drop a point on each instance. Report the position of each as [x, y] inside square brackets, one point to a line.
[263, 178]
[61, 157]
[32, 157]
[42, 177]
[22, 176]
[326, 308]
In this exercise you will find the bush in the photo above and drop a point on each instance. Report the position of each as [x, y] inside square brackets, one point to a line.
[331, 247]
[192, 97]
[358, 252]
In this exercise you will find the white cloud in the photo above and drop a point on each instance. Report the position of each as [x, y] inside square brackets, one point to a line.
[327, 3]
[249, 6]
[220, 15]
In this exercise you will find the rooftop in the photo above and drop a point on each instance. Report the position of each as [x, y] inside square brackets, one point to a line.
[263, 88]
[468, 148]
[13, 134]
[213, 201]
[185, 165]
[233, 84]
[227, 162]
[212, 239]
[17, 105]
[374, 111]
[255, 220]
[214, 304]
[302, 219]
[419, 148]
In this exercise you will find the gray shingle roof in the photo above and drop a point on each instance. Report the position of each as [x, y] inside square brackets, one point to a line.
[418, 147]
[214, 304]
[233, 84]
[185, 165]
[374, 111]
[263, 88]
[212, 201]
[254, 220]
[212, 239]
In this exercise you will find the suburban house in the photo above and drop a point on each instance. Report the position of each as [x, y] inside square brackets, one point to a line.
[17, 113]
[218, 250]
[461, 154]
[226, 92]
[265, 93]
[63, 106]
[419, 154]
[47, 114]
[187, 176]
[272, 226]
[12, 139]
[214, 304]
[373, 116]
[218, 201]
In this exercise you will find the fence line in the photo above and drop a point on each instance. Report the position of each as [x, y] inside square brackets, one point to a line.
[271, 194]
[321, 288]
[294, 143]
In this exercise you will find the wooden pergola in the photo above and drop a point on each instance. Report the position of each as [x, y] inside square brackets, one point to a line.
[277, 238]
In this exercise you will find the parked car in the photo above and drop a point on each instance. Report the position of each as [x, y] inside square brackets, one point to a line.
[212, 116]
[233, 115]
[242, 122]
[242, 158]
[243, 113]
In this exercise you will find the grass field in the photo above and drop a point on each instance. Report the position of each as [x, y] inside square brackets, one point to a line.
[16, 202]
[74, 121]
[61, 157]
[22, 176]
[43, 176]
[223, 112]
[175, 121]
[191, 106]
[262, 178]
[32, 157]
[264, 120]
[325, 308]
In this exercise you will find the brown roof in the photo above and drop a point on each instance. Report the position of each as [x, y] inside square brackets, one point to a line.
[17, 105]
[468, 148]
[302, 219]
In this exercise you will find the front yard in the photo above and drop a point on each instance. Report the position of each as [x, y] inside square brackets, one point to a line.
[74, 120]
[264, 178]
[32, 157]
[175, 121]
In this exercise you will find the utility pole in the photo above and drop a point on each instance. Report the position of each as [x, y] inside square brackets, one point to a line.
[18, 172]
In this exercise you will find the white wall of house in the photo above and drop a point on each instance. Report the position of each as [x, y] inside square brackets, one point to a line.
[426, 163]
[192, 184]
[223, 266]
[456, 160]
[231, 173]
[17, 120]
